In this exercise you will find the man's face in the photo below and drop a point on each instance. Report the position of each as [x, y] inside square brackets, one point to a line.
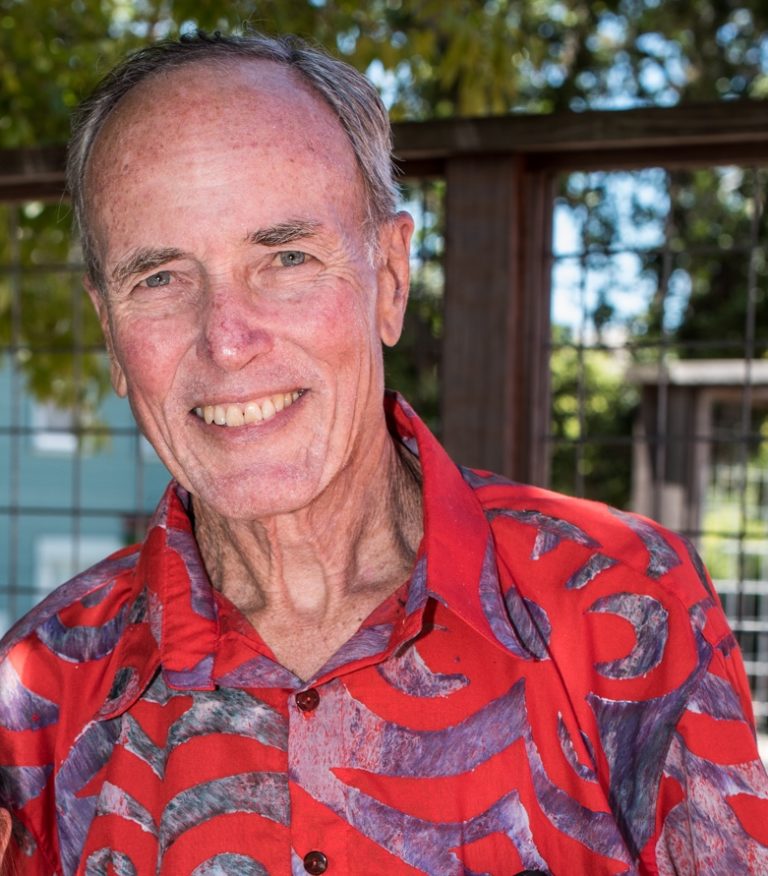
[244, 309]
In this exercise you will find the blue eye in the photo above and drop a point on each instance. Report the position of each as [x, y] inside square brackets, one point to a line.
[161, 278]
[291, 258]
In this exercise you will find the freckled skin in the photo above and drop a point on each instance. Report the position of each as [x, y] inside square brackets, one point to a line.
[189, 151]
[299, 510]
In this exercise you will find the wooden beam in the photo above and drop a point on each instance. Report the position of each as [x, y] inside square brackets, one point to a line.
[28, 174]
[715, 133]
[702, 125]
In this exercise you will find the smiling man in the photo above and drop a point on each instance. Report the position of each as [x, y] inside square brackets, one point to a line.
[335, 650]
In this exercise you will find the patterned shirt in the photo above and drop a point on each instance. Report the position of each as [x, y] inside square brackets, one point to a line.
[554, 690]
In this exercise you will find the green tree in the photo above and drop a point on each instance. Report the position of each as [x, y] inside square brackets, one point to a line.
[431, 58]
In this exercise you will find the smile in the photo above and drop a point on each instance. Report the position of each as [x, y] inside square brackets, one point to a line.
[237, 414]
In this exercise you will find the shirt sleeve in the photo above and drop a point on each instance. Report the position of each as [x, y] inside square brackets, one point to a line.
[27, 726]
[712, 813]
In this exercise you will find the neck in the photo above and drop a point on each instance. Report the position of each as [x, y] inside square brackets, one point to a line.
[325, 567]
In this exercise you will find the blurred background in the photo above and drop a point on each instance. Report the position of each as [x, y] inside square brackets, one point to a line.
[589, 300]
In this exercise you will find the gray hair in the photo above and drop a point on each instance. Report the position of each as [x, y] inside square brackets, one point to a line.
[350, 95]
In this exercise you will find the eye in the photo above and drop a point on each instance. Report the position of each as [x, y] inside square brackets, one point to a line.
[161, 278]
[291, 258]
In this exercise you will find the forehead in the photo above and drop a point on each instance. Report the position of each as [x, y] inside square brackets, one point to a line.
[206, 115]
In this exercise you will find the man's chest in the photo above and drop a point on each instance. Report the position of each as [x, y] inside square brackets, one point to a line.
[430, 762]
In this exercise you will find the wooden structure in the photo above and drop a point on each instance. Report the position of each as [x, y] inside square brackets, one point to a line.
[500, 175]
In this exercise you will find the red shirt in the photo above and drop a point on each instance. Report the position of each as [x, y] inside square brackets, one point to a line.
[555, 689]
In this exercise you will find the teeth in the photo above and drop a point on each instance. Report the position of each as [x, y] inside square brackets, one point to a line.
[252, 413]
[234, 415]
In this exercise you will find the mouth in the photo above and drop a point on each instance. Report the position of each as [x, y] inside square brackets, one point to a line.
[233, 415]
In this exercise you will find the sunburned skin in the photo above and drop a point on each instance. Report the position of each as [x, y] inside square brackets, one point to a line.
[245, 310]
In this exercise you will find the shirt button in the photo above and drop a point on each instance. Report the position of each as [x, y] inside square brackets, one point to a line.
[308, 701]
[315, 862]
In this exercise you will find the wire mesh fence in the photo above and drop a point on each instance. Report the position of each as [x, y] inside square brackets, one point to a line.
[657, 361]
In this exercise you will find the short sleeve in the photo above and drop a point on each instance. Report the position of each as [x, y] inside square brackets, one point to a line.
[712, 814]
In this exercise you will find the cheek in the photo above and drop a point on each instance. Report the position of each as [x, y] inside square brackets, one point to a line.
[149, 356]
[342, 325]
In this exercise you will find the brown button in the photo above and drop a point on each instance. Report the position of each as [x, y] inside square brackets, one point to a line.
[308, 701]
[315, 862]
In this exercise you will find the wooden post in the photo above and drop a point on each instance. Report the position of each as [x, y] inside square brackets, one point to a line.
[494, 370]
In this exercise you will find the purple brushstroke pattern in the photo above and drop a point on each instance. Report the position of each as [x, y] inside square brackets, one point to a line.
[24, 783]
[91, 600]
[79, 644]
[230, 864]
[106, 862]
[410, 675]
[359, 739]
[698, 565]
[569, 752]
[477, 480]
[704, 828]
[88, 582]
[232, 712]
[201, 592]
[297, 865]
[594, 566]
[417, 588]
[520, 625]
[366, 642]
[412, 445]
[550, 530]
[404, 406]
[649, 621]
[257, 793]
[662, 558]
[635, 737]
[260, 671]
[21, 708]
[74, 813]
[427, 845]
[139, 608]
[124, 691]
[530, 622]
[115, 801]
[155, 614]
[596, 830]
[716, 698]
[225, 711]
[134, 739]
[200, 675]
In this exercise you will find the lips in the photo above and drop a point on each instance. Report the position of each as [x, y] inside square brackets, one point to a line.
[235, 414]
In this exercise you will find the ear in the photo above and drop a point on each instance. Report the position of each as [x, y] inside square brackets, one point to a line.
[393, 269]
[119, 383]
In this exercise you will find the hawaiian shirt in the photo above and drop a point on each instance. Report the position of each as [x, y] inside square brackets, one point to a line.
[555, 690]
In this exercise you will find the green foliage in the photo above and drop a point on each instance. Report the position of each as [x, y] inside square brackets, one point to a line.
[431, 58]
[592, 410]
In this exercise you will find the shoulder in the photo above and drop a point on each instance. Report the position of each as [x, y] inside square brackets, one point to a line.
[578, 540]
[86, 598]
[56, 670]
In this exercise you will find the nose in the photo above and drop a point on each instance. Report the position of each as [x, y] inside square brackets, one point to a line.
[234, 333]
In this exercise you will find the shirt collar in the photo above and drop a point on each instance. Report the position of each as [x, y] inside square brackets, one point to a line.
[458, 546]
[456, 566]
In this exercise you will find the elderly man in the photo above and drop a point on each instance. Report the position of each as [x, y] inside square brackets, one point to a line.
[335, 651]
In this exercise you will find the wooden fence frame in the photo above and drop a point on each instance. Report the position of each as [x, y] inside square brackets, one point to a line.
[501, 174]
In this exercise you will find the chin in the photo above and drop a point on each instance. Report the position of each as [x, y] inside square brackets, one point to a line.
[241, 497]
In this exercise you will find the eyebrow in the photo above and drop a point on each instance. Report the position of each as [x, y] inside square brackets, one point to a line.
[144, 259]
[283, 232]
